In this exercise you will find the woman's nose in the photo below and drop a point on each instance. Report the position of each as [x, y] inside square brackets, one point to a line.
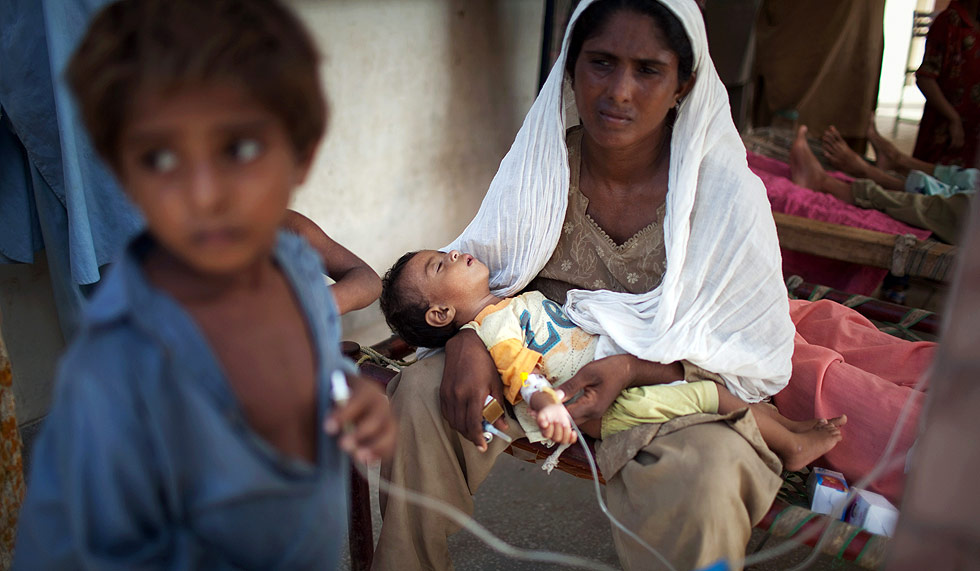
[620, 85]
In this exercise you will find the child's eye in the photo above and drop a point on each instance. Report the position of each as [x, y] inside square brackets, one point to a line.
[161, 161]
[245, 150]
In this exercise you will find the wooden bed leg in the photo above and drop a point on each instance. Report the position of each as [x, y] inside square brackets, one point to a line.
[360, 533]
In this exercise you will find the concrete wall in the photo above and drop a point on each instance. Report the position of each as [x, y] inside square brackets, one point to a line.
[425, 96]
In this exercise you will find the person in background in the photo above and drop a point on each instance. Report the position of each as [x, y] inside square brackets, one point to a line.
[942, 214]
[949, 78]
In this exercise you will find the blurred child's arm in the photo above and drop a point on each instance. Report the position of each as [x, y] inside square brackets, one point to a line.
[357, 285]
[371, 435]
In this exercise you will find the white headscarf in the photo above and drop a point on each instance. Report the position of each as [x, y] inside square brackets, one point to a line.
[721, 304]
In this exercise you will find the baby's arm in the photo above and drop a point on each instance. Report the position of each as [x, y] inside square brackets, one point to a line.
[547, 409]
[357, 285]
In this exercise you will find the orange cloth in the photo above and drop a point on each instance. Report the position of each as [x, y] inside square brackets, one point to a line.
[510, 355]
[844, 365]
[519, 359]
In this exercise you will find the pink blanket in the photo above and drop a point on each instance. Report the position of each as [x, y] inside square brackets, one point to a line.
[789, 198]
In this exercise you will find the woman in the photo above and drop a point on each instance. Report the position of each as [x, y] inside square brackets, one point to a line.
[652, 201]
[949, 77]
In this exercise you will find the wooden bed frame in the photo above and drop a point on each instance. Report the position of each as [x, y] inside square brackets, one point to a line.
[903, 255]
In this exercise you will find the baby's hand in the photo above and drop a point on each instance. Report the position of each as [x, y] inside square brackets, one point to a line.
[555, 423]
[370, 435]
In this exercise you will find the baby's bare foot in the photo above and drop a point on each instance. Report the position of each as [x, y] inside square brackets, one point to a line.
[807, 425]
[840, 154]
[810, 445]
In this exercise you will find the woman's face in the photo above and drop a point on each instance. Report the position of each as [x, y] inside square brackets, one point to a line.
[626, 81]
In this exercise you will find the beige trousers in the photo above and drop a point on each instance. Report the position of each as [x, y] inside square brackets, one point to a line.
[693, 493]
[939, 214]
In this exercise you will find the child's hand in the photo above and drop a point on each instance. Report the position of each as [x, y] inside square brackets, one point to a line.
[555, 423]
[371, 433]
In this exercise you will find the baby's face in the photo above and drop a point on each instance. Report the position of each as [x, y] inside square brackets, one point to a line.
[212, 171]
[448, 278]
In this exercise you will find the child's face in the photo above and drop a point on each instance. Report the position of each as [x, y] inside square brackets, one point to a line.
[451, 278]
[212, 171]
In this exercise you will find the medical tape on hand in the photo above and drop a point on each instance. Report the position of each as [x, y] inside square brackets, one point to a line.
[534, 383]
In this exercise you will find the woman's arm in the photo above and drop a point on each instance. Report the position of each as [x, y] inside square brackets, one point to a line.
[357, 285]
[934, 95]
[602, 380]
[469, 376]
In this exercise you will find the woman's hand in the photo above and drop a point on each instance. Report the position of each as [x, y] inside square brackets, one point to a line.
[369, 426]
[602, 380]
[470, 375]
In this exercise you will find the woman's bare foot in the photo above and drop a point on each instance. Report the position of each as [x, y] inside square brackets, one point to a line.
[887, 155]
[805, 447]
[805, 170]
[840, 154]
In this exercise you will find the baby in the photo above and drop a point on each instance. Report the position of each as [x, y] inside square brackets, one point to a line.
[428, 296]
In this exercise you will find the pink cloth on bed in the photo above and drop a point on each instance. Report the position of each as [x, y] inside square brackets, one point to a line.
[842, 364]
[789, 198]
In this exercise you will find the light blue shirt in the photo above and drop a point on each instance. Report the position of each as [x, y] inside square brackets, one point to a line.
[147, 461]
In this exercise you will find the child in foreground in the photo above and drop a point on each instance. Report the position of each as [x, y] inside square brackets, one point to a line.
[187, 429]
[428, 296]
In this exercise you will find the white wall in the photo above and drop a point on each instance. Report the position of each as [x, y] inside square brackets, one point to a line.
[898, 31]
[425, 97]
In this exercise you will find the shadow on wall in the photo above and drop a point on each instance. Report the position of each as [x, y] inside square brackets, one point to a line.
[487, 88]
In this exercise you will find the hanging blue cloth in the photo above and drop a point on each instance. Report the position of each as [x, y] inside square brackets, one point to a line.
[56, 193]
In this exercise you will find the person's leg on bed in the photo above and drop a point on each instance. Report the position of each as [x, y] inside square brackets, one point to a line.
[859, 343]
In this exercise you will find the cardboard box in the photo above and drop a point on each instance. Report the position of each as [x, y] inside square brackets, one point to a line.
[874, 513]
[827, 490]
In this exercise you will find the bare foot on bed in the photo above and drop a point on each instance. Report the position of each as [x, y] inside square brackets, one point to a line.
[805, 170]
[840, 154]
[805, 447]
[887, 155]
